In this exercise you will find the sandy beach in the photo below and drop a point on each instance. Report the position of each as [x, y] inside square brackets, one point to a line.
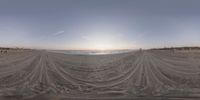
[43, 75]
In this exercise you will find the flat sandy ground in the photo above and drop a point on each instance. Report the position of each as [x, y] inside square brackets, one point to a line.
[138, 75]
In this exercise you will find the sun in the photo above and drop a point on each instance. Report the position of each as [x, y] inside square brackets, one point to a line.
[106, 41]
[102, 45]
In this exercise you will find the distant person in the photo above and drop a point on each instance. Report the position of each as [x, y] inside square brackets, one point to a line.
[140, 50]
[173, 50]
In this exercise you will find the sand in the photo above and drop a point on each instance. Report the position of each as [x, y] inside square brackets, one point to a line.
[138, 75]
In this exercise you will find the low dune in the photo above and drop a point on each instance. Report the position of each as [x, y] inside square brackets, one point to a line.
[153, 74]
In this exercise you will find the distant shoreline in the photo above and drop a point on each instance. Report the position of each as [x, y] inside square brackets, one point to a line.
[177, 48]
[91, 52]
[117, 50]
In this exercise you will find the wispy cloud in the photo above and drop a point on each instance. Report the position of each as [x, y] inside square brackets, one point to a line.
[59, 33]
[43, 37]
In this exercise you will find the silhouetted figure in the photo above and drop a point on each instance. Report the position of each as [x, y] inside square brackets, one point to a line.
[172, 50]
[140, 50]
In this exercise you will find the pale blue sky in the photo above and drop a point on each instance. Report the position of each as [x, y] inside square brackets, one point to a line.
[99, 24]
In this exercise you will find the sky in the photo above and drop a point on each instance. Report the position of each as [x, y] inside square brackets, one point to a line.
[99, 24]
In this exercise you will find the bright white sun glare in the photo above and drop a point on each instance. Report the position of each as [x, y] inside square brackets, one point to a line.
[106, 41]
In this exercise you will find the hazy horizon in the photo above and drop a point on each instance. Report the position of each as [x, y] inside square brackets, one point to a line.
[99, 24]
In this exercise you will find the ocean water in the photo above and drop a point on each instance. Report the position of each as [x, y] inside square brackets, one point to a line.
[91, 52]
